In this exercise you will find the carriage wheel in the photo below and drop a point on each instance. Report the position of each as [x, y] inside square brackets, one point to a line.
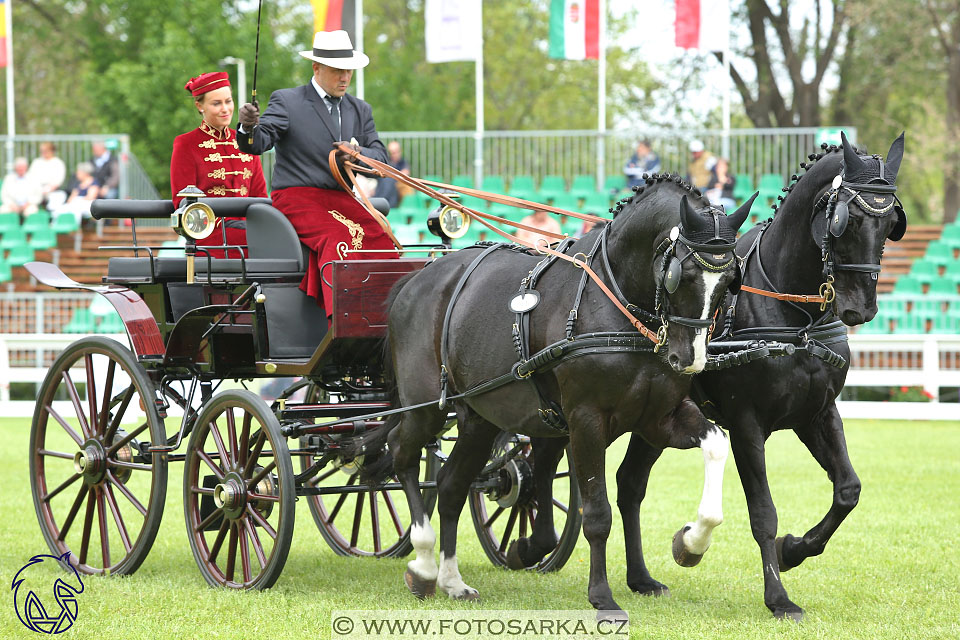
[358, 520]
[508, 512]
[238, 492]
[95, 493]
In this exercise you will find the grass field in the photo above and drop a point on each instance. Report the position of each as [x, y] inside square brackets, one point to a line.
[891, 571]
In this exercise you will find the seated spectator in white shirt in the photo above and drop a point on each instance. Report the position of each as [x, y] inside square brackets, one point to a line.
[541, 220]
[21, 192]
[86, 189]
[50, 172]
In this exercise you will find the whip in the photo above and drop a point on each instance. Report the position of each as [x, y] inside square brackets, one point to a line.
[256, 59]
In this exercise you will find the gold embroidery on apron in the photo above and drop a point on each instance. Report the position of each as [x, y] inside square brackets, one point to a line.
[356, 231]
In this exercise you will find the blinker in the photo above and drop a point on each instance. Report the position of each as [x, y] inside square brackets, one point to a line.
[838, 221]
[671, 279]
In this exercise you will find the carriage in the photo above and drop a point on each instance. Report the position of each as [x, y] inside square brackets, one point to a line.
[109, 419]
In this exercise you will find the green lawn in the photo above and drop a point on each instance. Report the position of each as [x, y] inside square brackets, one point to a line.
[890, 572]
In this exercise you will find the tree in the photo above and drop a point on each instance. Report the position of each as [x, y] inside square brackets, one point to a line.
[800, 60]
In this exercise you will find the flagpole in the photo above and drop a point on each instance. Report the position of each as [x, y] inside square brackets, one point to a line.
[478, 134]
[358, 21]
[11, 113]
[602, 98]
[727, 88]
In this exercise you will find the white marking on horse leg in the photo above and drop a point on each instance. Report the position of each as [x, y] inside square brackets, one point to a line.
[710, 282]
[423, 540]
[449, 579]
[710, 514]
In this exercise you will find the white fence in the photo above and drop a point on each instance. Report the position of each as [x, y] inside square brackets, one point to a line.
[928, 361]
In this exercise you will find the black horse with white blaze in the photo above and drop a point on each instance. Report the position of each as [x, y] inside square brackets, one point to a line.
[579, 370]
[828, 236]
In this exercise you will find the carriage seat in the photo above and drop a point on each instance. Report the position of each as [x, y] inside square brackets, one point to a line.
[273, 248]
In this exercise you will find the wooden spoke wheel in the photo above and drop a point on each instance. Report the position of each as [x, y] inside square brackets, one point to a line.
[97, 492]
[238, 492]
[505, 508]
[359, 520]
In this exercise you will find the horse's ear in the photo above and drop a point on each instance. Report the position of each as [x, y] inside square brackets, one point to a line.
[737, 218]
[852, 164]
[894, 156]
[689, 220]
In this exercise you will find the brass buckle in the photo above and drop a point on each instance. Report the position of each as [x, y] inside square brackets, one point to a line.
[661, 337]
[828, 292]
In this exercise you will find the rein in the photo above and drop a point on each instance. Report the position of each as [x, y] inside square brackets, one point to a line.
[385, 170]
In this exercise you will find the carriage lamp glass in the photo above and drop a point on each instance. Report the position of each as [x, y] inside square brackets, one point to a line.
[448, 222]
[195, 221]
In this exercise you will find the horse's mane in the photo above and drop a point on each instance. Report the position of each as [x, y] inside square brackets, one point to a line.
[825, 164]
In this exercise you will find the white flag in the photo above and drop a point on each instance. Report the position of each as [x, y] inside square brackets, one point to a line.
[453, 30]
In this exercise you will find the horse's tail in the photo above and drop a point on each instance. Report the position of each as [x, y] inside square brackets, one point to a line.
[378, 465]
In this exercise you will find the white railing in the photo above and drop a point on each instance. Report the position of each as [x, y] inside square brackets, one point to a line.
[928, 361]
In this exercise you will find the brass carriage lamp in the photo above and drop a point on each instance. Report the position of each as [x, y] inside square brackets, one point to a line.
[448, 222]
[194, 220]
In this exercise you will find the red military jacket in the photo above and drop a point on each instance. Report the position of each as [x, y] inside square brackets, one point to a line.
[211, 160]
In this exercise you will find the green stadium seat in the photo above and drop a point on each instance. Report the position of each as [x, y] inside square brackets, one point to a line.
[889, 305]
[943, 287]
[910, 323]
[743, 187]
[951, 235]
[908, 286]
[770, 186]
[927, 306]
[596, 203]
[462, 180]
[570, 225]
[111, 323]
[13, 238]
[6, 271]
[43, 239]
[406, 233]
[551, 186]
[20, 255]
[879, 325]
[946, 324]
[82, 321]
[523, 187]
[939, 252]
[746, 226]
[583, 186]
[36, 222]
[408, 212]
[924, 271]
[615, 184]
[475, 203]
[565, 201]
[493, 184]
[66, 223]
[502, 210]
[9, 221]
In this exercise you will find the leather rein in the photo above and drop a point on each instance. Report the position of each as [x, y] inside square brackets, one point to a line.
[385, 170]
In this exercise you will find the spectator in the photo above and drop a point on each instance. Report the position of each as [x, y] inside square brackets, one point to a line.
[721, 186]
[50, 172]
[388, 187]
[701, 165]
[106, 170]
[540, 220]
[643, 160]
[21, 192]
[86, 189]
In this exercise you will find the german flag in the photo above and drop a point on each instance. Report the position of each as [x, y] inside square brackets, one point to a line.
[330, 15]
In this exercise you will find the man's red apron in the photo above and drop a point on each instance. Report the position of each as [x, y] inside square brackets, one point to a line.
[334, 226]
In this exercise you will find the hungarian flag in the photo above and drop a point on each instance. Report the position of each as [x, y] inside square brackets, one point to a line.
[331, 15]
[703, 24]
[3, 33]
[575, 29]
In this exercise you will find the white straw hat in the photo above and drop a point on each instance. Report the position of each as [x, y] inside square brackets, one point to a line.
[334, 49]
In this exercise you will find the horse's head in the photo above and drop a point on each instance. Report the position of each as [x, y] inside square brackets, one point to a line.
[697, 267]
[853, 218]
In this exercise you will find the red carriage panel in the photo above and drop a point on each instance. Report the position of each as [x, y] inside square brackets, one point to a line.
[360, 290]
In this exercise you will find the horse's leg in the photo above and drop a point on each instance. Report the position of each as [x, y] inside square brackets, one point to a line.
[824, 438]
[589, 453]
[475, 438]
[406, 441]
[685, 428]
[632, 477]
[747, 440]
[527, 552]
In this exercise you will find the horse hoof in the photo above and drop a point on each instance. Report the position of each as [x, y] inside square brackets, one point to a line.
[795, 614]
[784, 566]
[419, 587]
[683, 557]
[470, 594]
[653, 588]
[514, 561]
[613, 615]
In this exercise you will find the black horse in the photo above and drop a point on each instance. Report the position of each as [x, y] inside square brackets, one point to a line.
[828, 235]
[658, 254]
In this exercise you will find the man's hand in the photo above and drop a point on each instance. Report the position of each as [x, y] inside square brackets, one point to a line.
[249, 116]
[342, 154]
